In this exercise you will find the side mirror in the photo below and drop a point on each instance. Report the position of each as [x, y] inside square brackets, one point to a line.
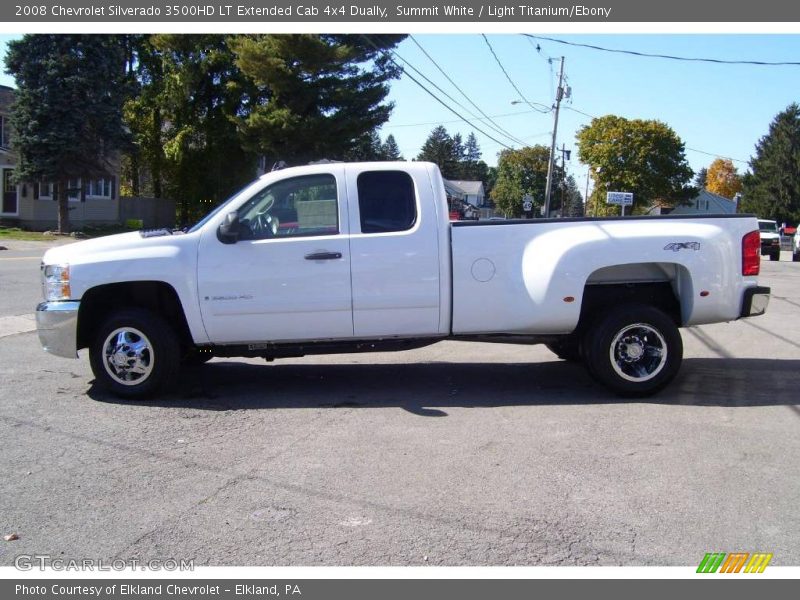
[228, 232]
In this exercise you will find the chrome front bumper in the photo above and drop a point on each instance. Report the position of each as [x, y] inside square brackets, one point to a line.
[57, 323]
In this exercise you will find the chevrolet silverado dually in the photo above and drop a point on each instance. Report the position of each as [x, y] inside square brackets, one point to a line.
[360, 257]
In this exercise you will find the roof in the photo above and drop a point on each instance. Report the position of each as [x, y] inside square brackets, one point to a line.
[716, 204]
[472, 188]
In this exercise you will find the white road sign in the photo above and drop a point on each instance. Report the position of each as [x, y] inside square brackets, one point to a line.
[527, 203]
[621, 198]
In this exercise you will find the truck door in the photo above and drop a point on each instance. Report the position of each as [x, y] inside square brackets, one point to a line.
[394, 254]
[287, 278]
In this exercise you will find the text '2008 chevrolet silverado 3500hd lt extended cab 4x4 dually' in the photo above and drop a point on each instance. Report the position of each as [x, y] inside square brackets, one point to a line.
[338, 257]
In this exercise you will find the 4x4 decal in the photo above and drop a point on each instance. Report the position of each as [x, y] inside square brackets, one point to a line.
[676, 246]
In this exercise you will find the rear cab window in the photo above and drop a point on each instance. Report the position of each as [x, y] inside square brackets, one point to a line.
[387, 201]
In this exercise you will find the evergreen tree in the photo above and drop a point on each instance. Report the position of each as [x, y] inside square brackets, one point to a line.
[772, 188]
[185, 119]
[571, 199]
[458, 156]
[67, 112]
[439, 148]
[390, 150]
[701, 179]
[318, 94]
[368, 147]
[473, 168]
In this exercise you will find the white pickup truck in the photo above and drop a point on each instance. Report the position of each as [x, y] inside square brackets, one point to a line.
[337, 257]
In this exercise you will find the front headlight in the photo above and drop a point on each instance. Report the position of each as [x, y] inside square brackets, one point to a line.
[56, 282]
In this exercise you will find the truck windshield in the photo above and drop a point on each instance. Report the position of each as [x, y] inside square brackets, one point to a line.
[768, 226]
[219, 208]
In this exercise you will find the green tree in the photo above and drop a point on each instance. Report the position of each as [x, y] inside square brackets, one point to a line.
[723, 179]
[197, 95]
[570, 198]
[772, 188]
[390, 150]
[368, 147]
[67, 112]
[472, 167]
[318, 94]
[701, 179]
[643, 157]
[519, 173]
[440, 148]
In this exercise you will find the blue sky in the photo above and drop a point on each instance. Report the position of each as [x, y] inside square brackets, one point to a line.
[717, 109]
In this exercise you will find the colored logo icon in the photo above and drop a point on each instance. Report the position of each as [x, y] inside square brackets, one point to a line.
[735, 562]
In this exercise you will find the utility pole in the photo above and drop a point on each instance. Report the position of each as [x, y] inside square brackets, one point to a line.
[586, 195]
[549, 187]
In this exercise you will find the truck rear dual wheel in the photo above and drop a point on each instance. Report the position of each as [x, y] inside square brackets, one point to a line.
[635, 350]
[135, 353]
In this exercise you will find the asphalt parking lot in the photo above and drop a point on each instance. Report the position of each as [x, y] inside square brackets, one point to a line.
[456, 454]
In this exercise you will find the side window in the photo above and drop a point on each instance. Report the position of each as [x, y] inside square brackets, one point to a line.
[301, 206]
[386, 201]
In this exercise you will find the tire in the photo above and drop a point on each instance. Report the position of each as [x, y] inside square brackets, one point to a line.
[795, 256]
[775, 256]
[135, 354]
[634, 351]
[568, 348]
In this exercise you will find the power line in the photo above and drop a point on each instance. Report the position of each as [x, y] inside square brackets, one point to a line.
[473, 115]
[739, 160]
[496, 127]
[432, 95]
[718, 61]
[513, 114]
[511, 81]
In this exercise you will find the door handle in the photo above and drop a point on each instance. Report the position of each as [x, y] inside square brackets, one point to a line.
[323, 256]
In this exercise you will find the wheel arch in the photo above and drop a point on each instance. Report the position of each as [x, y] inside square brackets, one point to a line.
[665, 286]
[157, 296]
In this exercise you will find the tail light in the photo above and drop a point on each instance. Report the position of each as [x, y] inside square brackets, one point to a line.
[751, 253]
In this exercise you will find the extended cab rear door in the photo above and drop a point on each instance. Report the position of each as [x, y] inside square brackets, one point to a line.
[395, 252]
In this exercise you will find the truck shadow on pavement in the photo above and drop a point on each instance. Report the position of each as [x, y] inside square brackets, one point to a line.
[429, 388]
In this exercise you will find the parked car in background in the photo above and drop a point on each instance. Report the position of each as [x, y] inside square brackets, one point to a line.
[770, 239]
[796, 245]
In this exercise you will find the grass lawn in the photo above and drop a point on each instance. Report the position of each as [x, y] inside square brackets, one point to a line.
[15, 233]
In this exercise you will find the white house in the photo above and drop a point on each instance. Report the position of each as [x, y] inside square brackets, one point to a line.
[704, 203]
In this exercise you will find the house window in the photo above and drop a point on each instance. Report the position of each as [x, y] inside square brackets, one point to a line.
[45, 191]
[74, 189]
[99, 188]
[5, 132]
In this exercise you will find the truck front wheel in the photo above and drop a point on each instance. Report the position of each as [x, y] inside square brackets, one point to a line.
[635, 350]
[135, 353]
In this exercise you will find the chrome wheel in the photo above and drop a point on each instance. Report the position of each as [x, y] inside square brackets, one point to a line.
[128, 356]
[638, 352]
